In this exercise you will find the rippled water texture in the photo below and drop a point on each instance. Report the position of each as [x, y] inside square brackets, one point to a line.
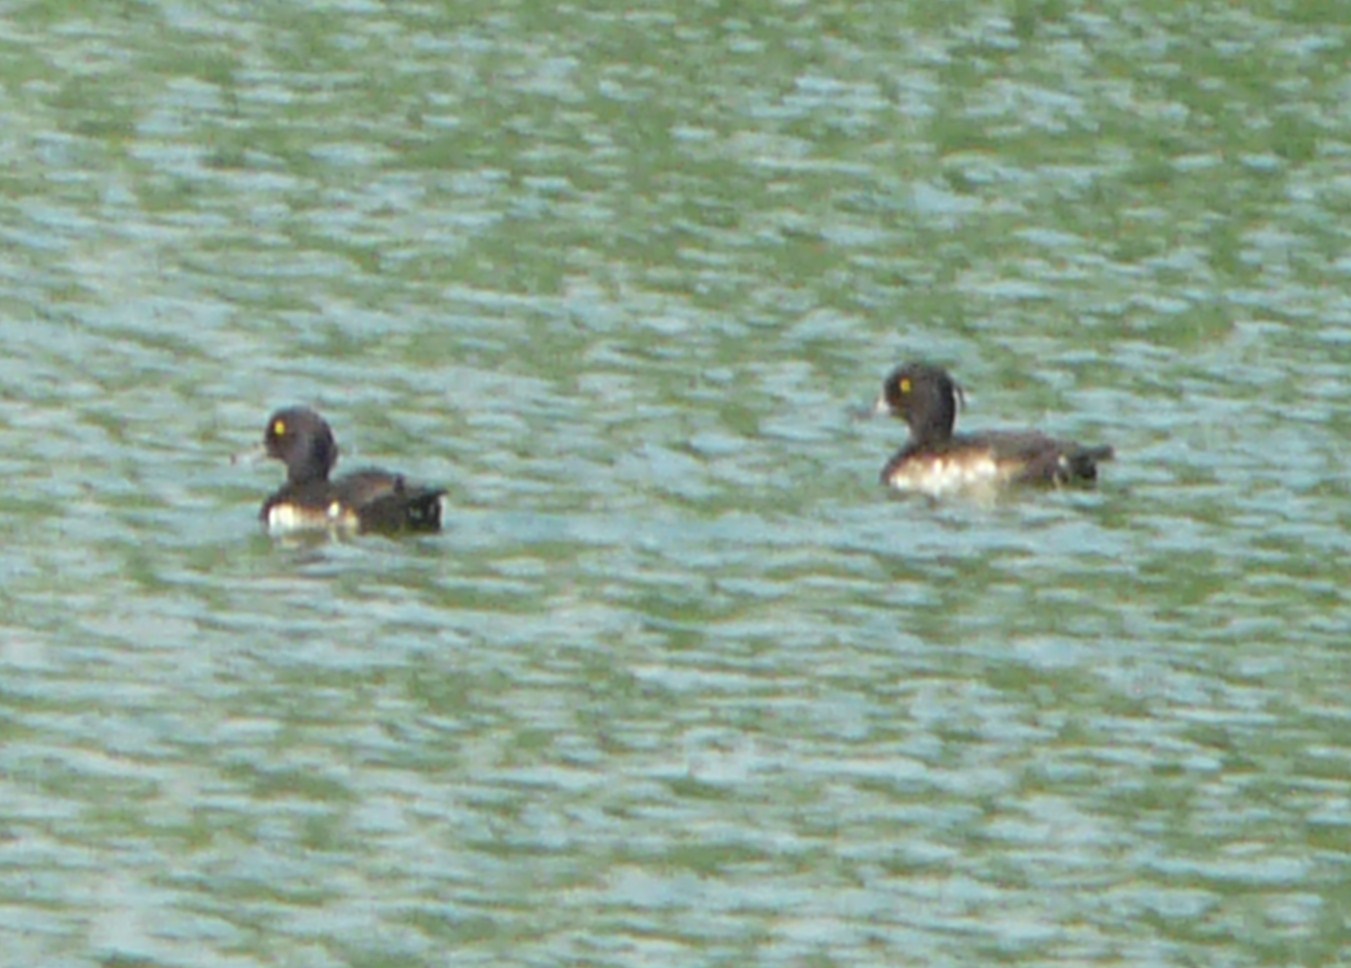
[679, 684]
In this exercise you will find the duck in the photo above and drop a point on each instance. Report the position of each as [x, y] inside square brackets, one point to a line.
[366, 500]
[936, 461]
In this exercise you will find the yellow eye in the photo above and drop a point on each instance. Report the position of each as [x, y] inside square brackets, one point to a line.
[279, 428]
[905, 386]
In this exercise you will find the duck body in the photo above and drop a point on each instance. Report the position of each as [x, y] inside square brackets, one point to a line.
[972, 461]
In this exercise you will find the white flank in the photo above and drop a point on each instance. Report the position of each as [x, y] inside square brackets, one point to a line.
[287, 518]
[939, 476]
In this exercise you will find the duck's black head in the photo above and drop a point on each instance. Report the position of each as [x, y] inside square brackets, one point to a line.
[302, 440]
[925, 397]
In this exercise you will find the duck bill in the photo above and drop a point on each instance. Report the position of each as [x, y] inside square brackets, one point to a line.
[878, 409]
[251, 456]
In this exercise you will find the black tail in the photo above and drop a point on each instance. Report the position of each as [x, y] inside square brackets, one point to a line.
[1083, 462]
[403, 509]
[423, 510]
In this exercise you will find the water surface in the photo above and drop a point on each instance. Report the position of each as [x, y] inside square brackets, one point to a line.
[679, 684]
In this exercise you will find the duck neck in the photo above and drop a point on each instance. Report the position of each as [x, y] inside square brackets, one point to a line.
[934, 427]
[316, 465]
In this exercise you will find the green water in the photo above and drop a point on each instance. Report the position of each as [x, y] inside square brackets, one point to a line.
[679, 684]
